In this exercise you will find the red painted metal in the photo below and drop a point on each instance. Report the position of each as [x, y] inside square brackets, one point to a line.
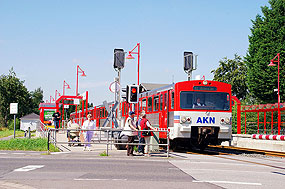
[65, 85]
[68, 87]
[258, 122]
[245, 122]
[131, 57]
[264, 108]
[51, 99]
[56, 93]
[63, 98]
[279, 113]
[272, 122]
[78, 70]
[264, 122]
[238, 114]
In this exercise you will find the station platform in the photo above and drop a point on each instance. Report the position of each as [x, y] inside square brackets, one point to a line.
[245, 141]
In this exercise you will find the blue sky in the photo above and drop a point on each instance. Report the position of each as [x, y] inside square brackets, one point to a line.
[44, 40]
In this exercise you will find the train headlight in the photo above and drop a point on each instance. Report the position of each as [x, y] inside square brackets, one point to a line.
[188, 119]
[183, 119]
[227, 120]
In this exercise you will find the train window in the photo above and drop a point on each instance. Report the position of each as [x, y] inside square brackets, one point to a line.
[149, 104]
[155, 103]
[106, 113]
[161, 101]
[172, 100]
[204, 100]
[144, 104]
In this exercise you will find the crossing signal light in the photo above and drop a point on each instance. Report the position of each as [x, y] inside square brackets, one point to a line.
[188, 61]
[132, 93]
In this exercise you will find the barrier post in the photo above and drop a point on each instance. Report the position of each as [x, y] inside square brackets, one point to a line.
[54, 137]
[107, 142]
[29, 132]
[48, 141]
[167, 144]
[111, 139]
[100, 136]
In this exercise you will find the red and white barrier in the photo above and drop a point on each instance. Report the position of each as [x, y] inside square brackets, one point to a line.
[268, 137]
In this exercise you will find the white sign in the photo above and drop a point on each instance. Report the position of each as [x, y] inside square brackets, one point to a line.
[13, 108]
[115, 86]
[66, 106]
[76, 101]
[83, 96]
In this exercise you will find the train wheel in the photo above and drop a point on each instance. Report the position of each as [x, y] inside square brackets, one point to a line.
[173, 145]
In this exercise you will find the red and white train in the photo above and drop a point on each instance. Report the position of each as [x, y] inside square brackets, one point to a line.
[196, 113]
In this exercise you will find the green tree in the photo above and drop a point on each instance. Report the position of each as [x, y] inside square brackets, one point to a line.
[12, 90]
[266, 40]
[37, 98]
[232, 71]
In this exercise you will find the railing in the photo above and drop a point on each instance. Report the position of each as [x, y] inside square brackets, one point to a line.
[110, 138]
[41, 130]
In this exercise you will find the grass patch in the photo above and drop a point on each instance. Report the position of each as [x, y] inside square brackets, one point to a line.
[25, 144]
[103, 154]
[7, 132]
[136, 148]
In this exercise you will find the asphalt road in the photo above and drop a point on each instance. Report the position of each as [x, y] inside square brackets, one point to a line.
[86, 170]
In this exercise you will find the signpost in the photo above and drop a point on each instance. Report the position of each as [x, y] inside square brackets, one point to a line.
[76, 101]
[14, 110]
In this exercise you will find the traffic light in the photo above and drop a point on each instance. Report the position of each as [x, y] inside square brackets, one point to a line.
[119, 58]
[188, 61]
[132, 93]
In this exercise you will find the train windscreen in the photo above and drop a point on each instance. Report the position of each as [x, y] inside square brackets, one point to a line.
[204, 100]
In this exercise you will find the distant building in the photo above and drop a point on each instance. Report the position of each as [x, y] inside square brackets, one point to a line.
[31, 120]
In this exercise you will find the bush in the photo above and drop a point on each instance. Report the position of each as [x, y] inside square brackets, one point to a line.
[11, 124]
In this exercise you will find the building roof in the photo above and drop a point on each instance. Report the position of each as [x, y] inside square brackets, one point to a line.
[150, 86]
[31, 116]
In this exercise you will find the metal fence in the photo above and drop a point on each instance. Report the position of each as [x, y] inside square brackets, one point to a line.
[110, 137]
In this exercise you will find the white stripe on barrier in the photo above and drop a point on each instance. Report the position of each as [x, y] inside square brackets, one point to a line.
[268, 137]
[263, 137]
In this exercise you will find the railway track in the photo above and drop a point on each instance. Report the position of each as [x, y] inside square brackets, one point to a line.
[238, 150]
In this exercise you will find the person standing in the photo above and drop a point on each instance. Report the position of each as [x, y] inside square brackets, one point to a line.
[68, 129]
[130, 131]
[56, 118]
[145, 125]
[89, 125]
[141, 139]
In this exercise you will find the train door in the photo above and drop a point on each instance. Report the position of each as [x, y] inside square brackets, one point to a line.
[164, 113]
